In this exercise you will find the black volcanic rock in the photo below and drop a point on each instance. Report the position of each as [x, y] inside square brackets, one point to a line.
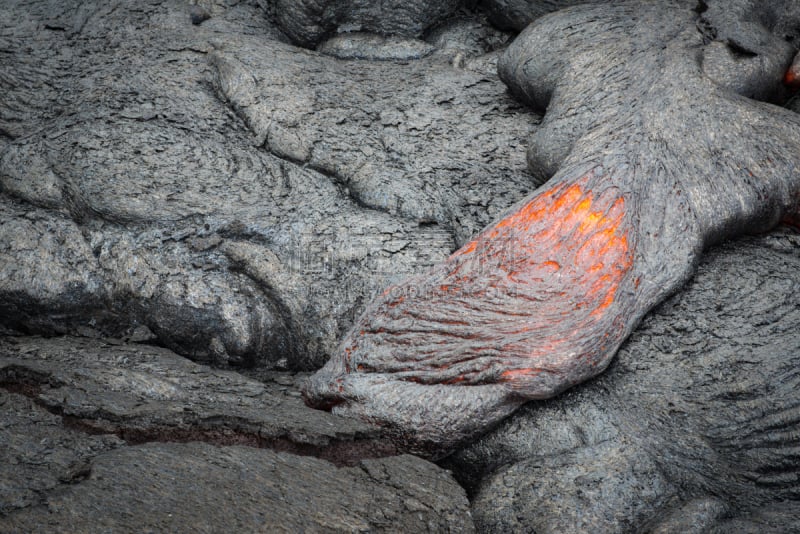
[695, 424]
[649, 161]
[236, 197]
[180, 181]
[307, 22]
[130, 437]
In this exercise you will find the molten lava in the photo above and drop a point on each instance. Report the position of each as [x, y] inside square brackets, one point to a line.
[532, 293]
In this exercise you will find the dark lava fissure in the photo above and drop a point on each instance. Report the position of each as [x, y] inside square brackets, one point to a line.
[29, 383]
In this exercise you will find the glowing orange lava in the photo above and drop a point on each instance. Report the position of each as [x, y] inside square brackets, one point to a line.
[792, 76]
[569, 232]
[536, 293]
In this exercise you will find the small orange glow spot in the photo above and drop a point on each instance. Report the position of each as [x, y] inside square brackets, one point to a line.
[468, 248]
[590, 221]
[605, 304]
[518, 373]
[584, 205]
[455, 380]
[792, 77]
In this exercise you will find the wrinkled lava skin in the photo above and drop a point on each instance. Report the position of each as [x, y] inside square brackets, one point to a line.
[655, 151]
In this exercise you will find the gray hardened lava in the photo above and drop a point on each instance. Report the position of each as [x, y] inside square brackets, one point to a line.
[307, 22]
[216, 190]
[694, 427]
[650, 161]
[203, 201]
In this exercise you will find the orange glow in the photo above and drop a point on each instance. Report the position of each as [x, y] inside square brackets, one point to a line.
[526, 290]
[605, 304]
[469, 247]
[517, 373]
[575, 231]
[792, 77]
[567, 198]
[455, 380]
[589, 222]
[572, 231]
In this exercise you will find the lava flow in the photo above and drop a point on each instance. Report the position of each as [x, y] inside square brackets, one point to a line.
[529, 302]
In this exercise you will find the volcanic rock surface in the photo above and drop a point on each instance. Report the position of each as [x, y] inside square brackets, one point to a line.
[133, 437]
[670, 155]
[694, 425]
[194, 209]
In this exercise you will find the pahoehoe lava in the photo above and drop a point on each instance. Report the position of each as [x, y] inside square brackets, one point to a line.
[660, 138]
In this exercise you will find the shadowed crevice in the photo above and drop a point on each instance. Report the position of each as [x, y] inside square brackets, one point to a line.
[221, 431]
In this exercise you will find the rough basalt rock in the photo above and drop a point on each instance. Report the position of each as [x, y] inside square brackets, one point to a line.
[97, 435]
[138, 390]
[248, 490]
[179, 180]
[517, 14]
[39, 455]
[650, 161]
[307, 22]
[215, 190]
[693, 428]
